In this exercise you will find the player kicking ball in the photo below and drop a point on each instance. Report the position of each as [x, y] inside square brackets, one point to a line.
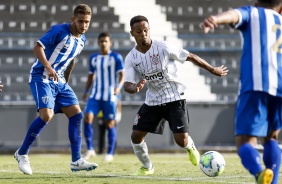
[166, 94]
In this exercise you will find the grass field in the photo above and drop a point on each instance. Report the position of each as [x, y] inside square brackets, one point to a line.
[169, 169]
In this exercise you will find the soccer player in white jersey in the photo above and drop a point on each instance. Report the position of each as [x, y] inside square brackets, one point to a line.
[259, 105]
[158, 62]
[106, 74]
[55, 52]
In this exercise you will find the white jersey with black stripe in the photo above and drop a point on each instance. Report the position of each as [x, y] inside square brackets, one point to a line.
[159, 66]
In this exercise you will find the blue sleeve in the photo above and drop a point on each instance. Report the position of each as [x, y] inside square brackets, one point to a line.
[119, 62]
[52, 37]
[245, 16]
[92, 64]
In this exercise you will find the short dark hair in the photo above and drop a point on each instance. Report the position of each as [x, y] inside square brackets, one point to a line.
[138, 18]
[82, 9]
[270, 3]
[104, 34]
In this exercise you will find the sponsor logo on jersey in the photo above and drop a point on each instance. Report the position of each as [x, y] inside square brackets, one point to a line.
[155, 59]
[154, 76]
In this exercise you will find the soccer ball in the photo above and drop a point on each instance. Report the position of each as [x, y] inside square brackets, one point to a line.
[212, 163]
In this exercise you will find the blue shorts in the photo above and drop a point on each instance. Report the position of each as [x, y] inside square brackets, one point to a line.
[258, 113]
[53, 96]
[108, 108]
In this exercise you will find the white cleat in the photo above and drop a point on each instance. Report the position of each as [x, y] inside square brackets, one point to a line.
[23, 163]
[108, 158]
[82, 164]
[88, 154]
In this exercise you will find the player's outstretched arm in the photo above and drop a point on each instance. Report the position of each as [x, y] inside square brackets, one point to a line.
[132, 88]
[219, 71]
[227, 17]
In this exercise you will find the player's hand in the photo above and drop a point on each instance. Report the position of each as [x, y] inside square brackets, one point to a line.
[220, 71]
[52, 74]
[1, 86]
[209, 24]
[140, 85]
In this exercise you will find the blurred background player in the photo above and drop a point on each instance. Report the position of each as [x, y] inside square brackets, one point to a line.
[106, 73]
[157, 61]
[1, 86]
[102, 127]
[259, 105]
[55, 52]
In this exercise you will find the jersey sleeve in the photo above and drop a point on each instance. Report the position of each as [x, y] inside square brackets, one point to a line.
[92, 64]
[52, 37]
[130, 73]
[244, 17]
[119, 63]
[176, 53]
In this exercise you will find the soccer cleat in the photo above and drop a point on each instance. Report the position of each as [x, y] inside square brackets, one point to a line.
[88, 154]
[144, 171]
[108, 158]
[23, 163]
[194, 155]
[265, 177]
[82, 164]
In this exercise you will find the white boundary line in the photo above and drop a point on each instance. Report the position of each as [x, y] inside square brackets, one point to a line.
[206, 179]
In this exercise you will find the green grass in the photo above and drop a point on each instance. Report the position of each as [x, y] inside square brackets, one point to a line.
[169, 169]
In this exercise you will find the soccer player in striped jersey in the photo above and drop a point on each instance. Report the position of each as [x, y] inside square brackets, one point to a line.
[106, 73]
[158, 62]
[55, 52]
[259, 105]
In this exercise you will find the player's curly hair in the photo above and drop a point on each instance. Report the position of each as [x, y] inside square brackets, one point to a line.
[270, 3]
[138, 18]
[82, 9]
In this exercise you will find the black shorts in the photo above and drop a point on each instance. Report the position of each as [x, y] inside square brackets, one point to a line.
[152, 118]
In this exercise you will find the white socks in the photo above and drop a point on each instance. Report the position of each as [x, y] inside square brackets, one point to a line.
[141, 151]
[190, 143]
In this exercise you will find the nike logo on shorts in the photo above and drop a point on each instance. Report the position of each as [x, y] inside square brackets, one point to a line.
[178, 127]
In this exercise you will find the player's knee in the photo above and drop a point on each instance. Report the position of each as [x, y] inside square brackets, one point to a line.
[77, 117]
[136, 137]
[46, 116]
[110, 123]
[88, 118]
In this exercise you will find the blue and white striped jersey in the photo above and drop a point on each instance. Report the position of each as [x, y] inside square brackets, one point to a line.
[60, 48]
[261, 62]
[106, 69]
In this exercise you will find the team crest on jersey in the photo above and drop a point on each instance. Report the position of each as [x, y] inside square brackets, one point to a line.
[155, 59]
[66, 46]
[45, 99]
[136, 119]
